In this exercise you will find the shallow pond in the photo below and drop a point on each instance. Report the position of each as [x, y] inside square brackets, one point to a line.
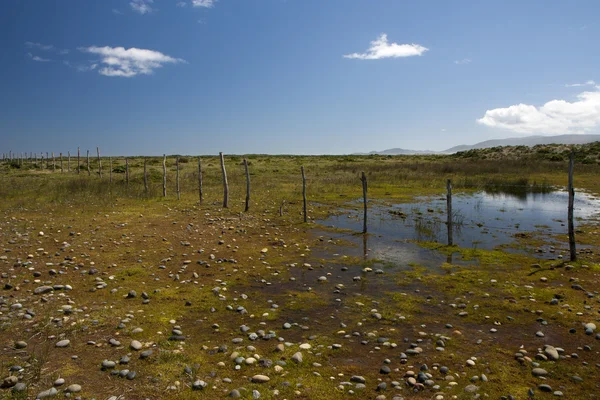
[482, 220]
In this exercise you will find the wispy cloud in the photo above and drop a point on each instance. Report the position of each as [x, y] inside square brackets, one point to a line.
[463, 61]
[117, 11]
[203, 3]
[554, 117]
[380, 48]
[127, 63]
[36, 58]
[587, 83]
[181, 4]
[46, 47]
[81, 67]
[142, 6]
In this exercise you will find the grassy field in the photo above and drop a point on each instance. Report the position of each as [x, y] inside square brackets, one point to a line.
[209, 292]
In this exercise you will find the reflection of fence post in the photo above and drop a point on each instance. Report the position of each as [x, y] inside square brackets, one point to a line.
[363, 178]
[449, 210]
[200, 180]
[247, 185]
[304, 194]
[225, 185]
[570, 212]
[164, 175]
[145, 176]
[177, 178]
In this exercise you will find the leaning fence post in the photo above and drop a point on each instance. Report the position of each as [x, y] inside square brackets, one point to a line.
[145, 175]
[164, 175]
[363, 178]
[572, 249]
[304, 193]
[247, 186]
[449, 211]
[200, 180]
[88, 163]
[99, 162]
[225, 185]
[177, 178]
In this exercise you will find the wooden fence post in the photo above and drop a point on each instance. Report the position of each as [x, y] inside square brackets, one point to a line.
[363, 179]
[247, 185]
[225, 185]
[88, 163]
[78, 162]
[572, 248]
[47, 161]
[449, 211]
[304, 194]
[164, 175]
[200, 180]
[177, 178]
[61, 164]
[145, 175]
[110, 170]
[68, 161]
[53, 163]
[99, 162]
[127, 171]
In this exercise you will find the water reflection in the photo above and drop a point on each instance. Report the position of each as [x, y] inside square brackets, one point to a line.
[482, 220]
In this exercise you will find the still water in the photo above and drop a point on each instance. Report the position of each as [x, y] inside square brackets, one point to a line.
[482, 220]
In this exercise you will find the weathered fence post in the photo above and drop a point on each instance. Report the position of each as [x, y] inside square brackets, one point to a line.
[53, 163]
[145, 175]
[363, 179]
[99, 162]
[225, 185]
[177, 178]
[304, 194]
[127, 171]
[47, 161]
[110, 170]
[61, 164]
[164, 175]
[449, 211]
[247, 185]
[200, 180]
[572, 248]
[78, 162]
[88, 163]
[68, 161]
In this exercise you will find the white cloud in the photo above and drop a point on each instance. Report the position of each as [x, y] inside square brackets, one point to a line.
[126, 63]
[587, 83]
[116, 11]
[380, 48]
[181, 4]
[554, 117]
[203, 3]
[141, 6]
[36, 58]
[463, 61]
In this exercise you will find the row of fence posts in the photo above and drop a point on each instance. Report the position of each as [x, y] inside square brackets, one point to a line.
[363, 179]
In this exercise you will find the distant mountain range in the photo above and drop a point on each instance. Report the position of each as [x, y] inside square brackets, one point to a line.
[520, 141]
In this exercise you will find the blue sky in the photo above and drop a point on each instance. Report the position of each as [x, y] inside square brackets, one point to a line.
[293, 76]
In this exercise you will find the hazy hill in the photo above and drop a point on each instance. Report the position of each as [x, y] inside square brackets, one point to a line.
[527, 141]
